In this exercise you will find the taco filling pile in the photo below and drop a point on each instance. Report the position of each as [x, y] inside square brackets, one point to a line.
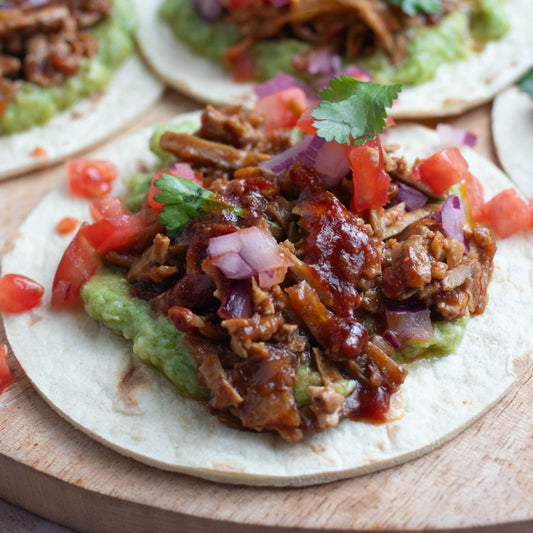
[394, 40]
[286, 282]
[54, 52]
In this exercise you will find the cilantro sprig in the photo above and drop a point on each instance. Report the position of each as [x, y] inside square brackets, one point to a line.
[412, 7]
[352, 111]
[526, 83]
[184, 200]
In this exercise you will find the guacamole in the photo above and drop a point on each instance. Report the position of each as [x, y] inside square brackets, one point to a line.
[34, 105]
[156, 342]
[456, 36]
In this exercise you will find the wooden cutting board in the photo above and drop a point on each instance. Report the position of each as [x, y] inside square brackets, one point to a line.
[481, 479]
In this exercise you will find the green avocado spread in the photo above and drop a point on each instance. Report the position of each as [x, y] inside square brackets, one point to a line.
[156, 342]
[34, 105]
[454, 37]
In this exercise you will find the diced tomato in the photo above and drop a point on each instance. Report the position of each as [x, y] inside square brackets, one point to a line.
[39, 152]
[113, 233]
[370, 180]
[442, 170]
[305, 122]
[474, 196]
[89, 178]
[282, 109]
[181, 170]
[79, 262]
[67, 225]
[507, 213]
[243, 67]
[19, 293]
[6, 378]
[108, 207]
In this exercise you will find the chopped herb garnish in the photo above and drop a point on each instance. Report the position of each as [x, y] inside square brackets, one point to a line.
[526, 83]
[412, 7]
[352, 111]
[185, 200]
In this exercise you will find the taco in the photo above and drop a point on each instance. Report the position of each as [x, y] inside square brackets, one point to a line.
[449, 55]
[312, 333]
[68, 78]
[512, 130]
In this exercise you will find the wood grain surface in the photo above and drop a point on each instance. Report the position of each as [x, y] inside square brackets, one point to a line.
[482, 480]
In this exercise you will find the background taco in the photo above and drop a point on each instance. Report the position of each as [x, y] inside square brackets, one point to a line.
[149, 422]
[69, 78]
[512, 130]
[472, 66]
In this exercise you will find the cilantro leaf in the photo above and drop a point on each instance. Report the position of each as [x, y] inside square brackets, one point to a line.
[353, 110]
[412, 7]
[526, 83]
[185, 200]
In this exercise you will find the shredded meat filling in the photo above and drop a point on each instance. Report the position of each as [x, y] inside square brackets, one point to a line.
[350, 28]
[310, 349]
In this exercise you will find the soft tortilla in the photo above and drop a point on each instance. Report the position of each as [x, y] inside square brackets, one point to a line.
[80, 368]
[132, 90]
[456, 87]
[512, 130]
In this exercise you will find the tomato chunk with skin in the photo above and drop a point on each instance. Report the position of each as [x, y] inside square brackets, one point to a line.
[111, 206]
[6, 378]
[113, 233]
[90, 178]
[305, 122]
[282, 109]
[442, 170]
[180, 170]
[474, 196]
[78, 263]
[370, 179]
[19, 294]
[507, 213]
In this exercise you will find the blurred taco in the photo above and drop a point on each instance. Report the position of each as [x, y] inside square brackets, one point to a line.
[450, 55]
[68, 78]
[512, 130]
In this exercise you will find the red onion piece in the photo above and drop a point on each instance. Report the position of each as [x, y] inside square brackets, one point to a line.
[208, 10]
[324, 62]
[248, 252]
[283, 161]
[412, 198]
[237, 300]
[330, 159]
[233, 265]
[279, 83]
[407, 323]
[456, 136]
[451, 217]
[224, 244]
[186, 172]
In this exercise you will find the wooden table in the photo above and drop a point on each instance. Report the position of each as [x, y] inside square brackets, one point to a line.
[481, 479]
